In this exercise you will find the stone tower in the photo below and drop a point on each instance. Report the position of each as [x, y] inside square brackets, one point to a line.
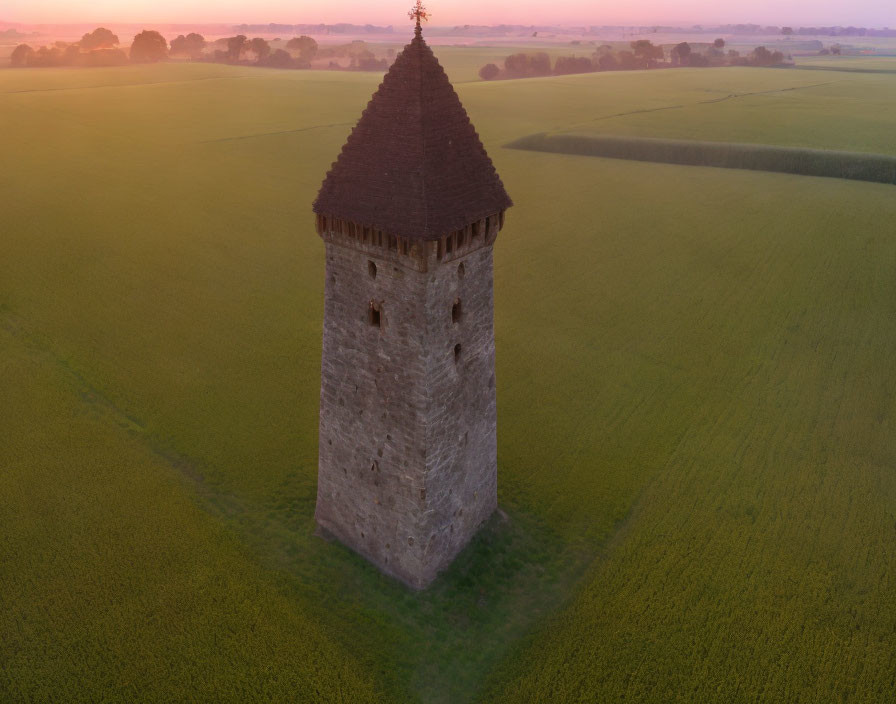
[408, 214]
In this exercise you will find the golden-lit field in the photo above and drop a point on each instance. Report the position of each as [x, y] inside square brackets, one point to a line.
[697, 434]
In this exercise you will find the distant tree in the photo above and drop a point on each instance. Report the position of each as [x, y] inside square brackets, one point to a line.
[148, 47]
[607, 62]
[698, 60]
[516, 65]
[719, 43]
[527, 65]
[71, 55]
[371, 63]
[260, 48]
[304, 46]
[236, 46]
[279, 58]
[787, 31]
[837, 50]
[190, 45]
[777, 58]
[489, 72]
[824, 52]
[681, 53]
[100, 38]
[572, 64]
[21, 56]
[733, 54]
[104, 57]
[628, 61]
[761, 57]
[540, 63]
[359, 55]
[46, 56]
[645, 50]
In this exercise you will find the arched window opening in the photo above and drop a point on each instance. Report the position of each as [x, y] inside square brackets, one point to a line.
[371, 268]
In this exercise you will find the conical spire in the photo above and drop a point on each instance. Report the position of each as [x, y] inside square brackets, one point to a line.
[413, 166]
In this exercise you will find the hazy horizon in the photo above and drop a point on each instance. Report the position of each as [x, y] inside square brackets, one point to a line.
[869, 13]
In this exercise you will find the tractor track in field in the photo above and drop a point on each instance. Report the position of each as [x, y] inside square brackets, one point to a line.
[123, 85]
[97, 401]
[712, 101]
[271, 134]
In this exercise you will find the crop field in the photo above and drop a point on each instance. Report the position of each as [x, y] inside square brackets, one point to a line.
[792, 108]
[697, 409]
[855, 63]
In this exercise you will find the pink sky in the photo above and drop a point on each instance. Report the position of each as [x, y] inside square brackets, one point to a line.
[877, 13]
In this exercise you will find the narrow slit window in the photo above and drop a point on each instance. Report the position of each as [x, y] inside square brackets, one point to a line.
[457, 353]
[456, 311]
[375, 315]
[371, 268]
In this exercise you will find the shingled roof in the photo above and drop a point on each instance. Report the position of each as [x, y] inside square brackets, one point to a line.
[413, 166]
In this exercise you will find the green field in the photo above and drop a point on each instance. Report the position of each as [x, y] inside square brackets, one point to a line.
[811, 109]
[697, 434]
[858, 63]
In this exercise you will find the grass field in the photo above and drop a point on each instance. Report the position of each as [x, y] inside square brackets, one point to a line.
[811, 109]
[696, 441]
[859, 63]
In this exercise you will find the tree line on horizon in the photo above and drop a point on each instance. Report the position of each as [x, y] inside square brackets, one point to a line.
[642, 54]
[101, 48]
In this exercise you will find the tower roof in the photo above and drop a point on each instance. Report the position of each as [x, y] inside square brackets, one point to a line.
[414, 165]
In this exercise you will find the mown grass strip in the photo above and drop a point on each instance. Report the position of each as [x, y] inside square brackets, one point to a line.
[878, 168]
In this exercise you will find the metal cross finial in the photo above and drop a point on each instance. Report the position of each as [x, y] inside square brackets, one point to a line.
[418, 12]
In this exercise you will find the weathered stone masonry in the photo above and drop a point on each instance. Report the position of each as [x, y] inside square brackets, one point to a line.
[408, 455]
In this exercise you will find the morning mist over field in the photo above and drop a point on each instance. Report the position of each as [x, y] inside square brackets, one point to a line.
[486, 353]
[456, 12]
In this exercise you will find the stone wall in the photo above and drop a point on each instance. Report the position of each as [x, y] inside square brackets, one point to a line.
[408, 467]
